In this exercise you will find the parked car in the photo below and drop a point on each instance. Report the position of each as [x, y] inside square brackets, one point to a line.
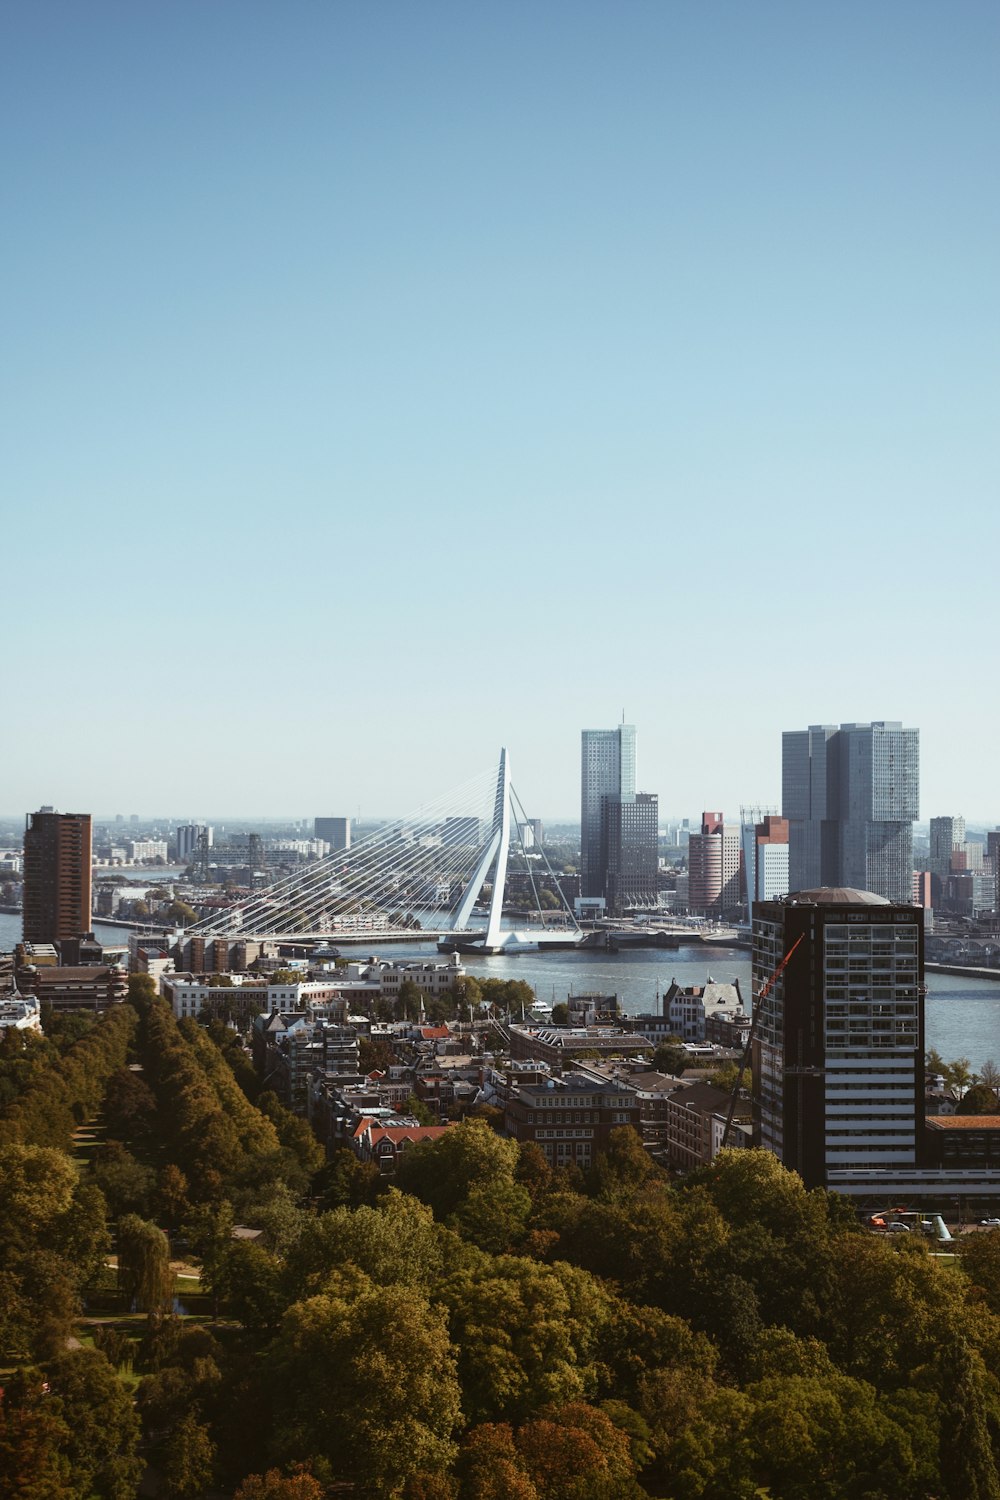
[989, 1223]
[897, 1228]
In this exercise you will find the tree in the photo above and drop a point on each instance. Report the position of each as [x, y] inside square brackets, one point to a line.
[180, 914]
[442, 1172]
[980, 1099]
[126, 1184]
[322, 1365]
[102, 1427]
[187, 1458]
[968, 1467]
[560, 1013]
[419, 1110]
[33, 1465]
[670, 1057]
[299, 1484]
[144, 1273]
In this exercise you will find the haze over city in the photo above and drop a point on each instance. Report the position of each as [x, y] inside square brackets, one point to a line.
[388, 384]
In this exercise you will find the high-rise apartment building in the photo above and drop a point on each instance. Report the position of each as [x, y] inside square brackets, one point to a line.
[629, 841]
[607, 770]
[714, 884]
[838, 1064]
[336, 831]
[57, 876]
[851, 795]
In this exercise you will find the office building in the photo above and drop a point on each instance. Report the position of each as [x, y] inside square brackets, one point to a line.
[714, 883]
[838, 1058]
[765, 856]
[947, 838]
[57, 876]
[851, 795]
[629, 845]
[607, 770]
[336, 831]
[189, 836]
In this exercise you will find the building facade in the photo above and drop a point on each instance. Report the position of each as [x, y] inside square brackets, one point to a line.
[851, 795]
[714, 868]
[838, 1058]
[336, 831]
[629, 849]
[607, 769]
[57, 876]
[765, 857]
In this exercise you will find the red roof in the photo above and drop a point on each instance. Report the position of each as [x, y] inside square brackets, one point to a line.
[433, 1033]
[399, 1133]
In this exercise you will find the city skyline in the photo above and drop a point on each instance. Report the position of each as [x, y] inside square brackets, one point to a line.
[656, 296]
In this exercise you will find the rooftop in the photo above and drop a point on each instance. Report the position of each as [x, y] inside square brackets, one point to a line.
[837, 895]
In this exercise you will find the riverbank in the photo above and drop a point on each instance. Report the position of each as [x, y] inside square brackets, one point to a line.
[965, 970]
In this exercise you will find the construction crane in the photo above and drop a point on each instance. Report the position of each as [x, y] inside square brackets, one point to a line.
[762, 995]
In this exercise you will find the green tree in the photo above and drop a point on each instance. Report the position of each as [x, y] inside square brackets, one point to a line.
[968, 1466]
[442, 1172]
[144, 1273]
[101, 1424]
[187, 1459]
[978, 1100]
[180, 914]
[560, 1013]
[127, 1185]
[670, 1057]
[322, 1366]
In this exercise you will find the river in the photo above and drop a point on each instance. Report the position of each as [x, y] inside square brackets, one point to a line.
[962, 1016]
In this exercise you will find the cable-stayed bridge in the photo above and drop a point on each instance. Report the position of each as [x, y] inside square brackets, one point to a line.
[425, 872]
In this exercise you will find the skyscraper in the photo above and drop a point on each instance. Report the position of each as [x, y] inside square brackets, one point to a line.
[57, 876]
[630, 845]
[714, 885]
[947, 837]
[850, 796]
[838, 1065]
[607, 770]
[765, 856]
[336, 831]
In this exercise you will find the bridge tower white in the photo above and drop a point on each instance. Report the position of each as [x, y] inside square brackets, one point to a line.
[497, 847]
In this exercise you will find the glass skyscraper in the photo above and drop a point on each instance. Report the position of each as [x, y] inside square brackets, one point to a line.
[851, 795]
[607, 770]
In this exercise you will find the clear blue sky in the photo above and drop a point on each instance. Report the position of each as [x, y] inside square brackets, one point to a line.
[386, 382]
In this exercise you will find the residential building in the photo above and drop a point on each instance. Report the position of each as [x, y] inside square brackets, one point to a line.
[851, 795]
[57, 876]
[571, 1118]
[336, 832]
[838, 1058]
[714, 869]
[607, 770]
[687, 1008]
[143, 851]
[695, 1124]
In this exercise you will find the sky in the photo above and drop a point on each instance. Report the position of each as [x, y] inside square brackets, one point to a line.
[384, 383]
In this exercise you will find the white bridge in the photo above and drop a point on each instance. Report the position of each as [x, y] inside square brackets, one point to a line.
[424, 873]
